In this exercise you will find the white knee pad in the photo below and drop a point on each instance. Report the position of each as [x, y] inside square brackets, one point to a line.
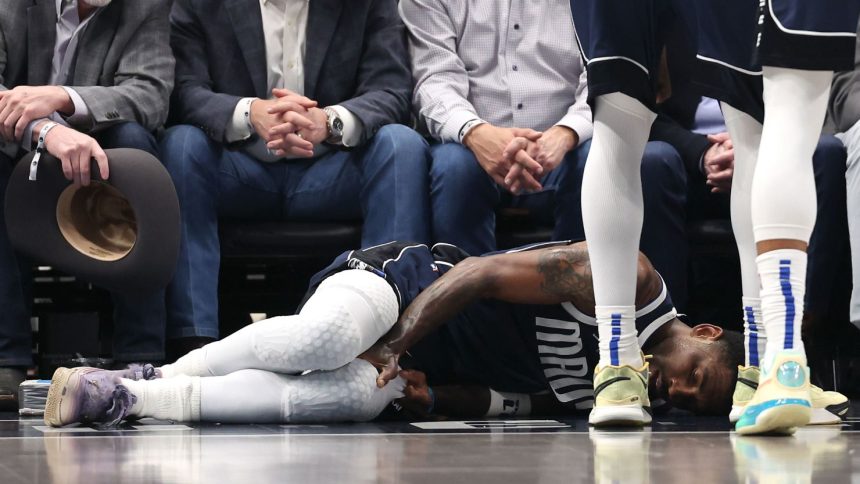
[346, 394]
[349, 312]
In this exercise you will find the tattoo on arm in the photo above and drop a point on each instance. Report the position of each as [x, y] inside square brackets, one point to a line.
[567, 274]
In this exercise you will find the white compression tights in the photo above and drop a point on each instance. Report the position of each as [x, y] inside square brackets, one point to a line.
[349, 312]
[348, 393]
[252, 375]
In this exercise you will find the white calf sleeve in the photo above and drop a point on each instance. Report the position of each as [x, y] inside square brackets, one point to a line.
[612, 213]
[745, 133]
[783, 196]
[349, 312]
[255, 396]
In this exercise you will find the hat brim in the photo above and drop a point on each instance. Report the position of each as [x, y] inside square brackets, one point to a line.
[31, 219]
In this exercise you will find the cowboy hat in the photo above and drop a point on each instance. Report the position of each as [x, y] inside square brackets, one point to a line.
[121, 233]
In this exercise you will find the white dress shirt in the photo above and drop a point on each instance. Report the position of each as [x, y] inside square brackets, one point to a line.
[284, 30]
[512, 63]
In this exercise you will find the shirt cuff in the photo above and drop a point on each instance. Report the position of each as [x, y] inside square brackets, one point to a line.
[450, 131]
[240, 127]
[81, 116]
[353, 128]
[583, 128]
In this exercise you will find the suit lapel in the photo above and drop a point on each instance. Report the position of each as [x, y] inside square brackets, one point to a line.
[323, 18]
[247, 24]
[41, 35]
[97, 37]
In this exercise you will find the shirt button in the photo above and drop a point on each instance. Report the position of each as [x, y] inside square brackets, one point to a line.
[520, 106]
[516, 68]
[516, 26]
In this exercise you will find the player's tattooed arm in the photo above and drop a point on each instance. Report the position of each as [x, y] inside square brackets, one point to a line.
[566, 275]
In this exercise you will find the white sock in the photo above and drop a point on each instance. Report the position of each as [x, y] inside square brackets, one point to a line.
[617, 340]
[755, 337]
[192, 364]
[612, 213]
[176, 399]
[783, 276]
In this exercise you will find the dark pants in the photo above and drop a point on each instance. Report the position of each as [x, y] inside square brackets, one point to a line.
[139, 320]
[464, 199]
[384, 183]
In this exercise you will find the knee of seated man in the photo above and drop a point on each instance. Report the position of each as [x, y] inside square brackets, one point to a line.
[186, 146]
[453, 163]
[662, 164]
[830, 156]
[402, 142]
[128, 135]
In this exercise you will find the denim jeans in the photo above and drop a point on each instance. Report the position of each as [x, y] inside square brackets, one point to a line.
[384, 183]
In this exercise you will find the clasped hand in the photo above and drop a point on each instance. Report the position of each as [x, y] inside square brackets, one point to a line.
[290, 124]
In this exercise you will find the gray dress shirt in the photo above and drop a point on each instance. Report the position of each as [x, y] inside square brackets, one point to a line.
[512, 63]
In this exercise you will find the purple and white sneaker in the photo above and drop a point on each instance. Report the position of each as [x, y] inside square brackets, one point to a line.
[88, 395]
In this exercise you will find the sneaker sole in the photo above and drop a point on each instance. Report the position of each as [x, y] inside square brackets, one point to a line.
[820, 416]
[619, 416]
[782, 420]
[61, 383]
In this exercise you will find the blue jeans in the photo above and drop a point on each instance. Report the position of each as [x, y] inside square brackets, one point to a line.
[464, 199]
[384, 182]
[139, 320]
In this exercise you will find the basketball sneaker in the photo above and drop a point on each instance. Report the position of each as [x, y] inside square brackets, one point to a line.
[828, 407]
[87, 395]
[620, 397]
[781, 403]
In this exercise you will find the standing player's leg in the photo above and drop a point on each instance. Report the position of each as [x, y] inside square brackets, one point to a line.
[618, 43]
[745, 133]
[347, 314]
[348, 393]
[783, 211]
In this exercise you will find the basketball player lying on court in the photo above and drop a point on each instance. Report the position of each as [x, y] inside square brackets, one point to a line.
[505, 334]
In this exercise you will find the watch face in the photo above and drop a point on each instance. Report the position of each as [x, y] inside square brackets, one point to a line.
[337, 125]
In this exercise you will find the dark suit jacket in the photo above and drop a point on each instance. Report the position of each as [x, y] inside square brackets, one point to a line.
[355, 56]
[123, 68]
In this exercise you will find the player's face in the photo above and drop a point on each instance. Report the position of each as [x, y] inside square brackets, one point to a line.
[692, 376]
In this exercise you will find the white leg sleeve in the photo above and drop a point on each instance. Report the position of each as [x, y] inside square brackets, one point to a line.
[745, 133]
[349, 312]
[851, 139]
[783, 195]
[255, 396]
[612, 213]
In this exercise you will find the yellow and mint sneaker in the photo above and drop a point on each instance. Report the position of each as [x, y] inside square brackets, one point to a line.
[620, 397]
[828, 407]
[781, 402]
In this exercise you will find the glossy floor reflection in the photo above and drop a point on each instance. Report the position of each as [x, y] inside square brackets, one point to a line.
[675, 449]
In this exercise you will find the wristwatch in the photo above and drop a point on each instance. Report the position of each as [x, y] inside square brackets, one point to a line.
[335, 127]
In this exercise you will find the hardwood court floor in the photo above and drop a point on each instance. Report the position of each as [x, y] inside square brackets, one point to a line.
[675, 449]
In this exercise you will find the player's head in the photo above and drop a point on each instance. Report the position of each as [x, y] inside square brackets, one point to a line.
[696, 370]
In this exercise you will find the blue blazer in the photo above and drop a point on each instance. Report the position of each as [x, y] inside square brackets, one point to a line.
[356, 56]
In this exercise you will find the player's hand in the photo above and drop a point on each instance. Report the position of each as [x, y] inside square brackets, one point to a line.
[489, 142]
[385, 360]
[719, 163]
[23, 104]
[75, 151]
[417, 389]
